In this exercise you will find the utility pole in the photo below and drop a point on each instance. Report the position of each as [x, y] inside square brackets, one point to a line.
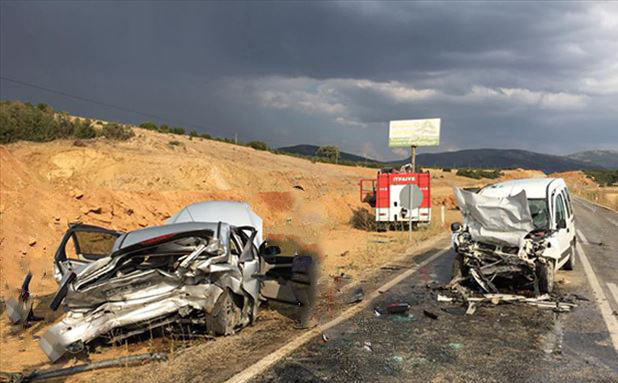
[413, 159]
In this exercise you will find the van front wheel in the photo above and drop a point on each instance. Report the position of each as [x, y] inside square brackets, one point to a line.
[570, 263]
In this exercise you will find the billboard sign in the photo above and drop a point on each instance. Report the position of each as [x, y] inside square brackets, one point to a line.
[414, 133]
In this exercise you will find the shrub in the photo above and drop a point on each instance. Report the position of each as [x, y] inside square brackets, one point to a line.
[148, 125]
[447, 170]
[329, 151]
[603, 177]
[115, 131]
[164, 128]
[175, 143]
[477, 174]
[206, 136]
[362, 219]
[44, 108]
[23, 121]
[177, 130]
[85, 131]
[257, 145]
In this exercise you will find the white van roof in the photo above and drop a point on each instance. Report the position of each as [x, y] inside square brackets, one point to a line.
[535, 188]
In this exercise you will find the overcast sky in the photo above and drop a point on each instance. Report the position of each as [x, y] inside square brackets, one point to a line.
[541, 77]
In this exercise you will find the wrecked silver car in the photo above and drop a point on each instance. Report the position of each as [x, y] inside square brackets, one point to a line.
[206, 267]
[519, 232]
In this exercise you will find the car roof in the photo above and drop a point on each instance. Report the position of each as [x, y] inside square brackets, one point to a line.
[534, 187]
[235, 213]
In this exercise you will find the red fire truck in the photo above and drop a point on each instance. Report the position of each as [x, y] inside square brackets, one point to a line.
[397, 195]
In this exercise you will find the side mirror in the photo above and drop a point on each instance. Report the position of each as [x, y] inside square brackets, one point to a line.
[455, 226]
[562, 224]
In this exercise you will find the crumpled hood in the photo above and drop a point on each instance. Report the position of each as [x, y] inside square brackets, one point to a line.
[504, 221]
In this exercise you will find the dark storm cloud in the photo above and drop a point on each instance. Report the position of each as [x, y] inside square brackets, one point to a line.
[536, 76]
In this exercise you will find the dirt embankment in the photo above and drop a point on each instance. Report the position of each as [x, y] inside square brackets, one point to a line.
[143, 181]
[585, 187]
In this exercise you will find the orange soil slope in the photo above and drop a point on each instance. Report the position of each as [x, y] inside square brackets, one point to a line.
[143, 181]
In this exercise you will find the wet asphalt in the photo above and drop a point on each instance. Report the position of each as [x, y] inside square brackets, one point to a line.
[501, 343]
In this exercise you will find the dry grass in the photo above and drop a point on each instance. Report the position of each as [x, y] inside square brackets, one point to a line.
[607, 196]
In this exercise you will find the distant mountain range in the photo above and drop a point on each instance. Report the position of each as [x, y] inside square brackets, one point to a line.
[491, 158]
[309, 150]
[605, 158]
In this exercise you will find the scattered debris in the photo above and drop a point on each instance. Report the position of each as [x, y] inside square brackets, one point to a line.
[546, 301]
[471, 308]
[344, 253]
[299, 187]
[367, 346]
[324, 337]
[580, 297]
[391, 267]
[67, 371]
[455, 346]
[398, 358]
[443, 298]
[356, 295]
[430, 314]
[32, 241]
[20, 310]
[397, 308]
[77, 194]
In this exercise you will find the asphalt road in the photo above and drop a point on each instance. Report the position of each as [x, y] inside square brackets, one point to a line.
[503, 343]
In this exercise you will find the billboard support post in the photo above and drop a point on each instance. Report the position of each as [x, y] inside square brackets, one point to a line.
[413, 162]
[413, 133]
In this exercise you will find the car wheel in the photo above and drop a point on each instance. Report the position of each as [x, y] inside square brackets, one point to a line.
[457, 267]
[225, 316]
[570, 263]
[545, 277]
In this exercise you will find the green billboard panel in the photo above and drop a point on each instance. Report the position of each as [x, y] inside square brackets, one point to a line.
[414, 133]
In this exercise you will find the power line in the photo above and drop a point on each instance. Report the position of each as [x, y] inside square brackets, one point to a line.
[92, 101]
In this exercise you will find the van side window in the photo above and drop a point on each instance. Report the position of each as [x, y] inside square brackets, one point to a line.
[560, 212]
[568, 197]
[568, 208]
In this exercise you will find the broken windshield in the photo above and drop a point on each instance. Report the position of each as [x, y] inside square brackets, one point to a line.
[539, 212]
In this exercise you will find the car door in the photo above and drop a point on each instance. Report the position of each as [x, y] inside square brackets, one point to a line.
[248, 260]
[81, 245]
[563, 231]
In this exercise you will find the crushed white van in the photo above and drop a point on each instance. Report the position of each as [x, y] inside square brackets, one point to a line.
[521, 231]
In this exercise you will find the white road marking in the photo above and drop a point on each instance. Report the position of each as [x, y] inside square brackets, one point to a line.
[615, 223]
[581, 236]
[269, 360]
[610, 320]
[586, 205]
[614, 290]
